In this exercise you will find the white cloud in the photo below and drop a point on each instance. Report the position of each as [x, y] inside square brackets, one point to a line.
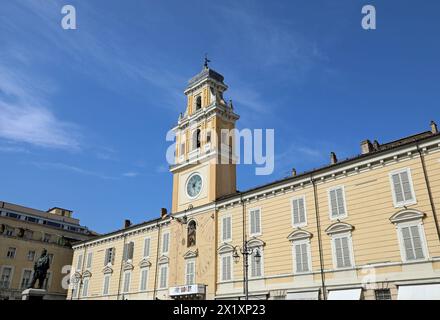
[131, 174]
[66, 167]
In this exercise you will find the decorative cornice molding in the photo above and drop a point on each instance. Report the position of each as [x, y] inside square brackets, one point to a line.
[191, 254]
[407, 215]
[163, 259]
[339, 227]
[255, 242]
[145, 263]
[225, 248]
[299, 234]
[107, 269]
[128, 265]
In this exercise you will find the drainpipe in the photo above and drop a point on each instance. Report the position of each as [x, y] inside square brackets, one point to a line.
[318, 225]
[82, 272]
[122, 266]
[216, 241]
[244, 244]
[157, 261]
[428, 187]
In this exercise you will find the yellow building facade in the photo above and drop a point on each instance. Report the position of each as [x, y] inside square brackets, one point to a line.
[24, 233]
[362, 228]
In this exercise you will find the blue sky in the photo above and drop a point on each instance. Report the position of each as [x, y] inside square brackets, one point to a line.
[84, 113]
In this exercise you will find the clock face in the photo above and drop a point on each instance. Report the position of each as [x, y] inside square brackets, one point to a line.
[194, 185]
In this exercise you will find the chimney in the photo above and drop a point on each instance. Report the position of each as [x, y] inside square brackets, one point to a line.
[434, 128]
[366, 146]
[127, 223]
[333, 159]
[293, 172]
[163, 213]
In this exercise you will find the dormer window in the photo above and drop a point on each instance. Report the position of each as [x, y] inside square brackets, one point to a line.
[198, 103]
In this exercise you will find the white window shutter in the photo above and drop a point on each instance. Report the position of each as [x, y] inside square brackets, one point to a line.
[407, 242]
[341, 205]
[302, 211]
[79, 262]
[298, 258]
[334, 203]
[304, 257]
[147, 247]
[406, 186]
[346, 252]
[338, 253]
[398, 191]
[418, 250]
[296, 214]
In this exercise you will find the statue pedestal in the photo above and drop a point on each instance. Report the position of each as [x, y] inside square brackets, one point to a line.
[33, 294]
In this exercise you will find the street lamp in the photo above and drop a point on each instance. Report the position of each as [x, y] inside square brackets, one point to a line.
[246, 251]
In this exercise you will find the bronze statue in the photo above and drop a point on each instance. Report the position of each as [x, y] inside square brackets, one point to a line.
[40, 270]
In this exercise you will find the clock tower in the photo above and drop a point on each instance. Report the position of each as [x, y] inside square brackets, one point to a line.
[204, 166]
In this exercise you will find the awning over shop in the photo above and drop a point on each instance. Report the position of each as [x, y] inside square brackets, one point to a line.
[308, 295]
[348, 294]
[419, 292]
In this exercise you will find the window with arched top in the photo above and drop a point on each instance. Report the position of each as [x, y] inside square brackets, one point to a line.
[196, 139]
[191, 238]
[198, 103]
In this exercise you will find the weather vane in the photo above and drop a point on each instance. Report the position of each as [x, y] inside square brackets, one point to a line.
[206, 61]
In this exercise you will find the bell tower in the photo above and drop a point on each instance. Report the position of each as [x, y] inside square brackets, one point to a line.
[204, 166]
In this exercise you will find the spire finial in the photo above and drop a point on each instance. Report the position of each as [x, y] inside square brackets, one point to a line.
[206, 61]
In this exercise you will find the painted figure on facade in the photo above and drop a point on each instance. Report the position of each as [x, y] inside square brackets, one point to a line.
[191, 234]
[40, 270]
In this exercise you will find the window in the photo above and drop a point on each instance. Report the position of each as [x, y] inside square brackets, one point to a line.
[144, 279]
[26, 279]
[109, 256]
[301, 251]
[106, 285]
[89, 260]
[6, 277]
[165, 242]
[31, 255]
[411, 234]
[256, 264]
[337, 203]
[226, 264]
[47, 237]
[342, 251]
[255, 222]
[128, 251]
[299, 212]
[382, 294]
[147, 243]
[31, 219]
[85, 288]
[10, 231]
[79, 262]
[163, 279]
[198, 103]
[11, 253]
[196, 139]
[182, 149]
[208, 137]
[402, 186]
[190, 272]
[227, 228]
[412, 241]
[127, 279]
